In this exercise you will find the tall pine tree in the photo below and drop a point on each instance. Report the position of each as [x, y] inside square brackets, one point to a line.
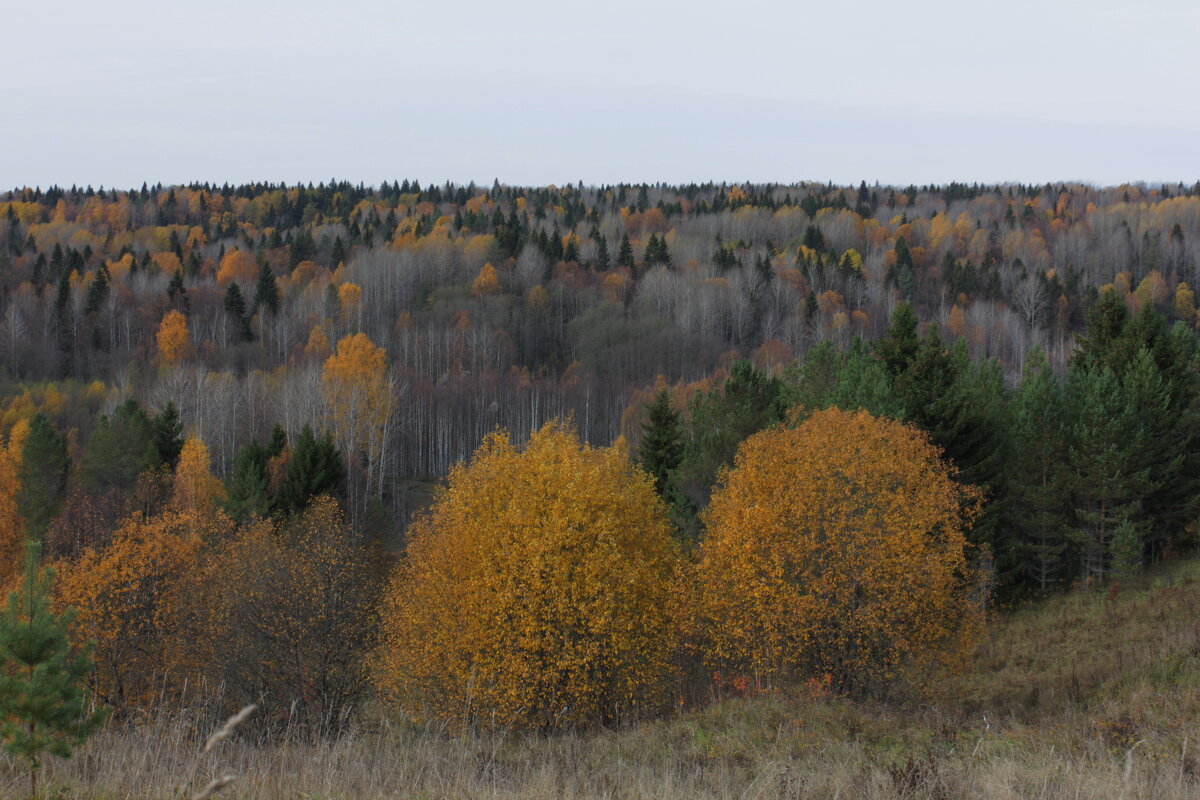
[42, 476]
[1039, 479]
[661, 448]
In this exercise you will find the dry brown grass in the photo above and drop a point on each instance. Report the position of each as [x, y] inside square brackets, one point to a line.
[1092, 695]
[761, 748]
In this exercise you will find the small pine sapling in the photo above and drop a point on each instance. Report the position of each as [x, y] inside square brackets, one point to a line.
[43, 708]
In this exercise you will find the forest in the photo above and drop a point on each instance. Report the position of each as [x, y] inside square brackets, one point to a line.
[558, 458]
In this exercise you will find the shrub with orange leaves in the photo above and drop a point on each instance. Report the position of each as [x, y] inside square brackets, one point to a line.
[139, 600]
[838, 546]
[536, 592]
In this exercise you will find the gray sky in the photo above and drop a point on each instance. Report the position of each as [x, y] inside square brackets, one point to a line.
[534, 92]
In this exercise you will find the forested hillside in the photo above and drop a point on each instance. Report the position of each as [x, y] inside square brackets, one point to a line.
[508, 306]
[683, 438]
[452, 310]
[833, 434]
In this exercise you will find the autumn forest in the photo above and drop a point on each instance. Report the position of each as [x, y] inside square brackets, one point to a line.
[566, 459]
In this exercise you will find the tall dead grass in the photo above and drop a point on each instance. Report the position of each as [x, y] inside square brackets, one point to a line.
[754, 748]
[1092, 695]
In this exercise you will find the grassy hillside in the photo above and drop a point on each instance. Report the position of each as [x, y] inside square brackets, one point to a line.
[1094, 694]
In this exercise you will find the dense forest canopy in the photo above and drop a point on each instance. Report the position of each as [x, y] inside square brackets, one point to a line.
[507, 305]
[397, 325]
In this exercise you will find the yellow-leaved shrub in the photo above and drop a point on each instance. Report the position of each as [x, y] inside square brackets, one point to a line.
[142, 600]
[837, 548]
[535, 593]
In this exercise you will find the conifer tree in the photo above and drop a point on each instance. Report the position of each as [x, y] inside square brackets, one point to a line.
[661, 448]
[235, 306]
[602, 257]
[277, 442]
[1108, 480]
[121, 446]
[962, 407]
[315, 468]
[248, 491]
[1106, 323]
[266, 291]
[571, 250]
[650, 254]
[177, 293]
[42, 476]
[852, 381]
[337, 254]
[748, 401]
[43, 708]
[815, 240]
[625, 253]
[898, 347]
[302, 248]
[167, 432]
[1039, 479]
[902, 274]
[97, 291]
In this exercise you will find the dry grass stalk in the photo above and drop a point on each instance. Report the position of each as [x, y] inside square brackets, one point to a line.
[215, 786]
[229, 726]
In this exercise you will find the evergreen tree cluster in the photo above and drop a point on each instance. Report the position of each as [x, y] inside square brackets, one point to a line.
[312, 468]
[1086, 476]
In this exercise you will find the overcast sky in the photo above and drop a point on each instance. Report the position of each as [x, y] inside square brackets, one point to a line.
[125, 91]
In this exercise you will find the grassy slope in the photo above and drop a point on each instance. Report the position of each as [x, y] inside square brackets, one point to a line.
[1093, 694]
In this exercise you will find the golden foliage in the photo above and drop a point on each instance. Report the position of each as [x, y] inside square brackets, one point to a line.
[317, 347]
[138, 599]
[167, 262]
[12, 530]
[486, 282]
[349, 297]
[538, 298]
[837, 547]
[853, 259]
[536, 592]
[614, 286]
[1122, 281]
[237, 265]
[1152, 289]
[956, 323]
[1185, 303]
[196, 489]
[172, 337]
[357, 392]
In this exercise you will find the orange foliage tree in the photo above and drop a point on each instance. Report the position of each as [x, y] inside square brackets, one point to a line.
[837, 548]
[139, 599]
[317, 347]
[486, 282]
[536, 591]
[361, 402]
[12, 530]
[195, 487]
[172, 337]
[237, 265]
